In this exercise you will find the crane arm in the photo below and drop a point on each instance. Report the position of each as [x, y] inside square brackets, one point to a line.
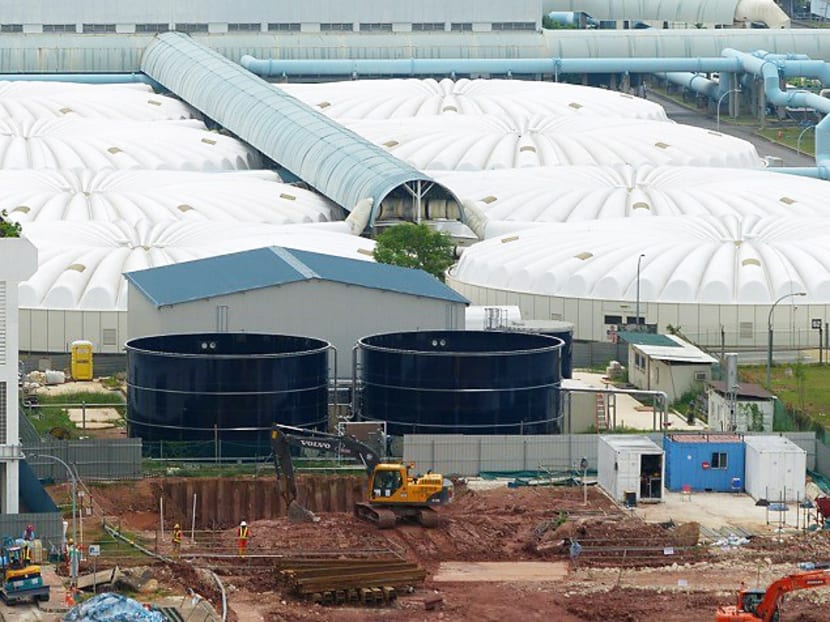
[284, 437]
[801, 581]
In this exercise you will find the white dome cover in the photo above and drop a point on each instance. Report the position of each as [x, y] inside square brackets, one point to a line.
[80, 264]
[134, 195]
[512, 99]
[509, 199]
[688, 259]
[104, 143]
[487, 142]
[29, 101]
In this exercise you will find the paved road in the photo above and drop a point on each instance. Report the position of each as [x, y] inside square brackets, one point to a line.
[680, 114]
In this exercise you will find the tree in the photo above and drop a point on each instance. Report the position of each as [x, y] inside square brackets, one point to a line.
[8, 229]
[415, 246]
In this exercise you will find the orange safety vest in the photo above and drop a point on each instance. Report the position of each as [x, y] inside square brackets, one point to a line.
[243, 533]
[177, 536]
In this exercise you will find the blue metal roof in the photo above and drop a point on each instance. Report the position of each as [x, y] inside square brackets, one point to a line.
[274, 266]
[334, 160]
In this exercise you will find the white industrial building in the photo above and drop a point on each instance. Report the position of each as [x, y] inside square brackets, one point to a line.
[514, 100]
[18, 260]
[666, 363]
[713, 278]
[752, 411]
[289, 291]
[480, 142]
[498, 202]
[79, 291]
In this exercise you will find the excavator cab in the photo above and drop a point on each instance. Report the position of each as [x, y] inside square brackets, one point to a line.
[386, 482]
[750, 599]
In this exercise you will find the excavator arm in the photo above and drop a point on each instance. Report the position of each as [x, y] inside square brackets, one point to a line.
[284, 437]
[775, 592]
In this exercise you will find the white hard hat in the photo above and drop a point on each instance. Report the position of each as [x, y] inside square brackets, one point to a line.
[243, 524]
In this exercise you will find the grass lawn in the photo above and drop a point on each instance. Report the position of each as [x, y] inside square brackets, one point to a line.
[52, 412]
[800, 387]
[789, 137]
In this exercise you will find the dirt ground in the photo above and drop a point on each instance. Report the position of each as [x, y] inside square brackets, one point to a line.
[627, 571]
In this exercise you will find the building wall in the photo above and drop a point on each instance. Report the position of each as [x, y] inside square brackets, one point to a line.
[748, 414]
[684, 465]
[247, 11]
[338, 313]
[775, 474]
[54, 330]
[656, 375]
[18, 261]
[743, 325]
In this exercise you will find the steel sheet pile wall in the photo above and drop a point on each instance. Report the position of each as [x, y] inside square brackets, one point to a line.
[183, 387]
[462, 382]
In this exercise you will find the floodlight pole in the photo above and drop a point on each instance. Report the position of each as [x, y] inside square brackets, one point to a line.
[769, 333]
[74, 483]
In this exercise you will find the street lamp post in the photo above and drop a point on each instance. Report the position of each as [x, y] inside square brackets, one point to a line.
[74, 482]
[637, 307]
[798, 142]
[720, 101]
[769, 332]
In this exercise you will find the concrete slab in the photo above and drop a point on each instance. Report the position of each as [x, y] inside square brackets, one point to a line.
[632, 413]
[94, 418]
[718, 510]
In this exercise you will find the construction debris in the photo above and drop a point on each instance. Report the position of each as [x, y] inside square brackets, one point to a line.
[111, 607]
[298, 514]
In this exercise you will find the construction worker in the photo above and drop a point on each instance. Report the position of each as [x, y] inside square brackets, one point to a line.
[242, 535]
[177, 540]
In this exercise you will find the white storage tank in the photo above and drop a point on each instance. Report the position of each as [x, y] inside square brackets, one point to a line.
[631, 468]
[776, 468]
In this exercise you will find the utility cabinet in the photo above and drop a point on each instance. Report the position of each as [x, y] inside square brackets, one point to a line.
[630, 468]
[776, 468]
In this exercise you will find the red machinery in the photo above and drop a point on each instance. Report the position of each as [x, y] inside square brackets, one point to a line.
[823, 508]
[762, 605]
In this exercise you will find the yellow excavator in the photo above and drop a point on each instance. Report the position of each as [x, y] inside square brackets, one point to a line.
[393, 494]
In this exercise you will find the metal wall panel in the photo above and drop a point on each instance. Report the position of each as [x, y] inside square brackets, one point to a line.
[469, 455]
[94, 459]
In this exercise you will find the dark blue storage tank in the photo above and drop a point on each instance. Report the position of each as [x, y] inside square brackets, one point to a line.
[180, 386]
[461, 382]
[555, 328]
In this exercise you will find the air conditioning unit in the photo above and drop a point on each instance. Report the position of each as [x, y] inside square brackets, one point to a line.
[700, 376]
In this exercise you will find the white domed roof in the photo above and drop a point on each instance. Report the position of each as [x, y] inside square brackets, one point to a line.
[487, 142]
[135, 195]
[512, 99]
[688, 259]
[507, 197]
[80, 264]
[104, 143]
[28, 101]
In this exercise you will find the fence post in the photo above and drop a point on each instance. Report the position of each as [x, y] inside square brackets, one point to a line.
[216, 443]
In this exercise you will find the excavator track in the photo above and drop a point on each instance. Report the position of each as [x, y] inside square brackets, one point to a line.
[429, 518]
[383, 519]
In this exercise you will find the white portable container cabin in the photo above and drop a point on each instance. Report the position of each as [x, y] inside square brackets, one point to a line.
[631, 468]
[775, 468]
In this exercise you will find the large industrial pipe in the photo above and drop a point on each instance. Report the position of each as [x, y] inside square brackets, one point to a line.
[447, 66]
[768, 67]
[85, 78]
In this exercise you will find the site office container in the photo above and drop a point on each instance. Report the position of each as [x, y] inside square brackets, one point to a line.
[704, 462]
[775, 468]
[630, 466]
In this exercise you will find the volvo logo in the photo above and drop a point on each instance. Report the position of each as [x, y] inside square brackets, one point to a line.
[316, 444]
